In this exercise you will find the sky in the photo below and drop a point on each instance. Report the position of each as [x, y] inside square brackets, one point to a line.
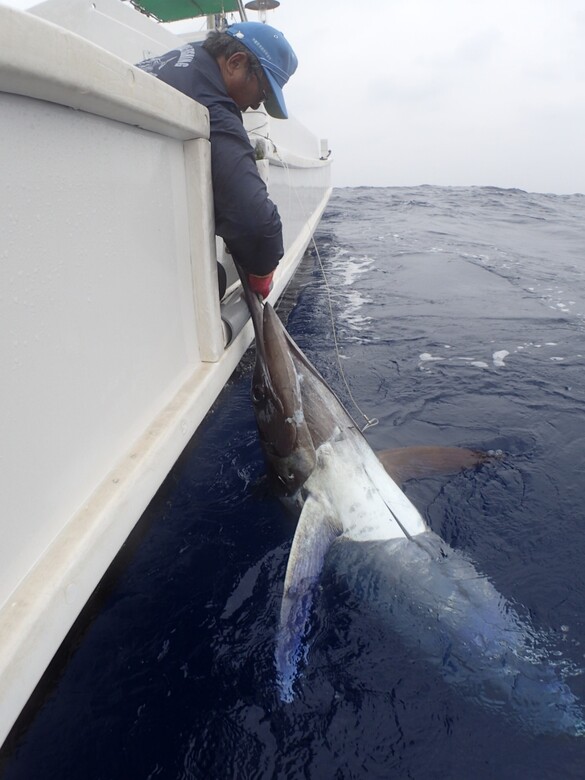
[450, 92]
[457, 92]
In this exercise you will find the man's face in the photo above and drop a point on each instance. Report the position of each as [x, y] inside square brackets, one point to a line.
[245, 88]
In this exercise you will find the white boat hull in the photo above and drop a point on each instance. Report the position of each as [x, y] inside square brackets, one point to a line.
[113, 346]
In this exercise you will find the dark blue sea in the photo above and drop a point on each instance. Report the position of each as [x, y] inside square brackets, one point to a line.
[460, 320]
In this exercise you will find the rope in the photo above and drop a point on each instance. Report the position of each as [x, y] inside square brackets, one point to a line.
[370, 421]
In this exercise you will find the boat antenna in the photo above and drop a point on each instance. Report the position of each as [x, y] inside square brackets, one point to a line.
[243, 16]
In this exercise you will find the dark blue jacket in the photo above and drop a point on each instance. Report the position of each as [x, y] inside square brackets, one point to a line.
[245, 217]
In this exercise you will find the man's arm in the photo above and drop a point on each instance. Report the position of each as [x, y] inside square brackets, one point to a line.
[245, 217]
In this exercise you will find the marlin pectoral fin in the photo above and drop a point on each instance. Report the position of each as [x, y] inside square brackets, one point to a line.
[314, 534]
[417, 462]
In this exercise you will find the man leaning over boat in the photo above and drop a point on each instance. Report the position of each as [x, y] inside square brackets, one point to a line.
[246, 65]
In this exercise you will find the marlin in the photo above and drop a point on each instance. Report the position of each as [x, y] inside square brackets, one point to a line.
[349, 503]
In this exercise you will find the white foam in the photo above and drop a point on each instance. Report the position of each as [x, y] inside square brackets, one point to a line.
[499, 356]
[350, 268]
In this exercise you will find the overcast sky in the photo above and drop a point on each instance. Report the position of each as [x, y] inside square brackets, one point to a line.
[452, 92]
[458, 92]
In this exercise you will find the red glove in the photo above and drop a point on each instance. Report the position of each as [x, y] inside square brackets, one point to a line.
[261, 284]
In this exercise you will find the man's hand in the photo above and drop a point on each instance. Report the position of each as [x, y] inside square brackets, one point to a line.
[261, 284]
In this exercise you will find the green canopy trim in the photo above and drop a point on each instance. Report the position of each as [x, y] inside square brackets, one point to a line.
[174, 10]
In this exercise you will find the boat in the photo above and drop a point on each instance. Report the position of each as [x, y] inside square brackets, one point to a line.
[115, 343]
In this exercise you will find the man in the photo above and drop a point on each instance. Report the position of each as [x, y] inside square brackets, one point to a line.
[231, 71]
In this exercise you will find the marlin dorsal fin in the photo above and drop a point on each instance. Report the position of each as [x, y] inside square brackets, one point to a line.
[315, 532]
[407, 463]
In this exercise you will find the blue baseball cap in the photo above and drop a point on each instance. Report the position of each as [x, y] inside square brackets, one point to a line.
[275, 55]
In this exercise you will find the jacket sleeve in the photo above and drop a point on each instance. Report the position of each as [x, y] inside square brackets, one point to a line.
[245, 217]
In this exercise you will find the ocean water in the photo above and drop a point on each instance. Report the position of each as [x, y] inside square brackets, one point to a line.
[460, 320]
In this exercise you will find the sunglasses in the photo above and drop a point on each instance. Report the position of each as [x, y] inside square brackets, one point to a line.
[262, 88]
[264, 91]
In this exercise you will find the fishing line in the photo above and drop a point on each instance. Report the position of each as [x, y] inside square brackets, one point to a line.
[370, 421]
